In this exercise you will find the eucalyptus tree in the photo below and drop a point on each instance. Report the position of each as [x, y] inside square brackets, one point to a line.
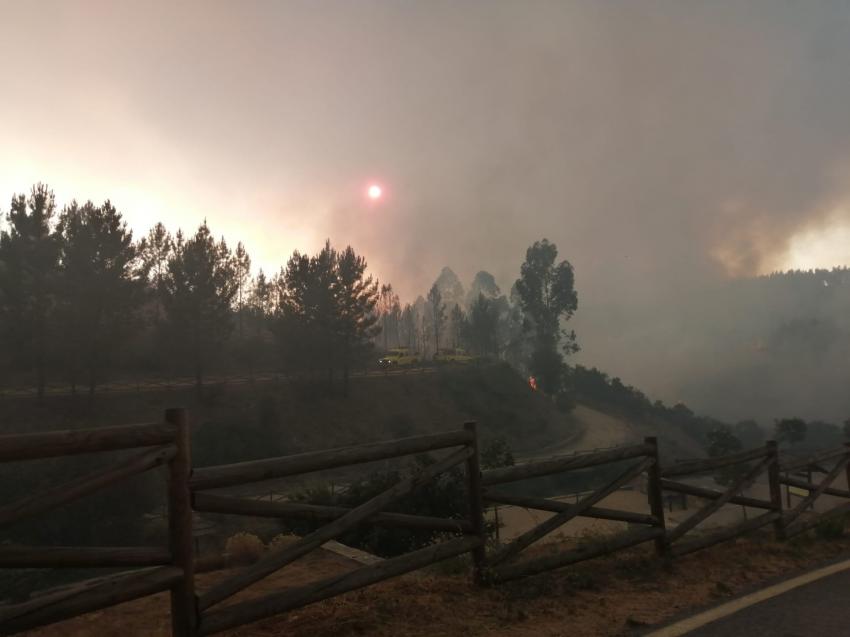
[547, 295]
[436, 314]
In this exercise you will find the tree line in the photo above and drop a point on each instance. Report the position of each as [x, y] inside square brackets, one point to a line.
[81, 297]
[525, 327]
[83, 300]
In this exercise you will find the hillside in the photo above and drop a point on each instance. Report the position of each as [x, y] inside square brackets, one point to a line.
[238, 422]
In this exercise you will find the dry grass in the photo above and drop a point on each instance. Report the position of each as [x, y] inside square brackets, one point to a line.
[612, 596]
[243, 548]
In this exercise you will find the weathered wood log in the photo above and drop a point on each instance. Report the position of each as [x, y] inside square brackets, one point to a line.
[51, 444]
[476, 507]
[811, 486]
[711, 464]
[15, 556]
[704, 513]
[270, 468]
[556, 506]
[184, 604]
[712, 494]
[558, 465]
[80, 487]
[547, 526]
[725, 534]
[655, 499]
[214, 503]
[274, 561]
[526, 568]
[241, 613]
[84, 598]
[803, 504]
[817, 458]
[775, 489]
[847, 468]
[801, 525]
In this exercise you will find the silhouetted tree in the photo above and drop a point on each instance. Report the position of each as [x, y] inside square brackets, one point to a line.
[327, 310]
[408, 326]
[483, 283]
[790, 430]
[154, 251]
[200, 287]
[355, 295]
[28, 259]
[547, 295]
[723, 442]
[100, 284]
[241, 272]
[482, 325]
[457, 325]
[451, 289]
[437, 314]
[387, 307]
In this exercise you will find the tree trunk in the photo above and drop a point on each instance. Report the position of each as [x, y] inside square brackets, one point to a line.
[199, 373]
[39, 361]
[346, 354]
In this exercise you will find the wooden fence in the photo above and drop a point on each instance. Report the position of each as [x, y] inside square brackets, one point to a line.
[172, 568]
[168, 568]
[340, 520]
[501, 563]
[792, 522]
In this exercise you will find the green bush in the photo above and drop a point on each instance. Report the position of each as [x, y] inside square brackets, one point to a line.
[831, 528]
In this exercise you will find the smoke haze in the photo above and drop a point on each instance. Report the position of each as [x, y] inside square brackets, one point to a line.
[665, 147]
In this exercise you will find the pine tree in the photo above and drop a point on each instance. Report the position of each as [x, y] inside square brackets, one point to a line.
[28, 261]
[356, 296]
[200, 287]
[242, 272]
[154, 252]
[100, 288]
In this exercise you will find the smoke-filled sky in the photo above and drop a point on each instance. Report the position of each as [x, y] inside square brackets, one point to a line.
[661, 145]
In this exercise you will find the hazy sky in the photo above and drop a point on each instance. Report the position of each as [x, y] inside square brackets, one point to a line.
[659, 144]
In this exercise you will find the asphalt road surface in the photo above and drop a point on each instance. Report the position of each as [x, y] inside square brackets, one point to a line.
[818, 609]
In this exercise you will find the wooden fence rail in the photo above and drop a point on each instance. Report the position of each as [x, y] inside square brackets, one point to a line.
[340, 520]
[173, 568]
[502, 565]
[764, 458]
[167, 443]
[792, 521]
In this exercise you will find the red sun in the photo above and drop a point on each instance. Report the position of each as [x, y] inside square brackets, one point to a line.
[374, 192]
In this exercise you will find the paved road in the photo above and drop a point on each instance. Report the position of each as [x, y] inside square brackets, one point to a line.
[818, 609]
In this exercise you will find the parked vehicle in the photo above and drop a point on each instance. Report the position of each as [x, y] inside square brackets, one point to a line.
[399, 357]
[454, 355]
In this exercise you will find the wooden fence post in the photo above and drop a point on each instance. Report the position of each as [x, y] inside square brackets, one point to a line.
[775, 489]
[656, 499]
[184, 604]
[476, 508]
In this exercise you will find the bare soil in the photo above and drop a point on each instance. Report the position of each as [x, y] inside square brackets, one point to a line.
[615, 596]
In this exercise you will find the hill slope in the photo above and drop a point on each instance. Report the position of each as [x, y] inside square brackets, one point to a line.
[234, 423]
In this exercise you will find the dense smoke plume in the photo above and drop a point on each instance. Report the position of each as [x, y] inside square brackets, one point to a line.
[663, 146]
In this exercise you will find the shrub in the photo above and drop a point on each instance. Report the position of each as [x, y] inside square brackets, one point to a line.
[281, 540]
[243, 548]
[831, 528]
